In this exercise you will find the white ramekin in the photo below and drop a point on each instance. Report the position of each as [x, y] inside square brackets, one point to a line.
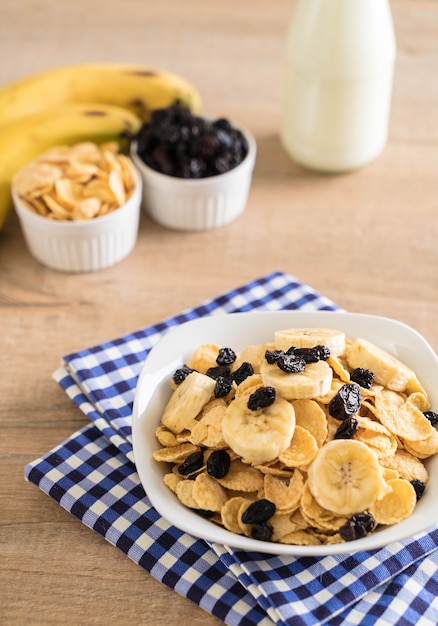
[190, 204]
[82, 246]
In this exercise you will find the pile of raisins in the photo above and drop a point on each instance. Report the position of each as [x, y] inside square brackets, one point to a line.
[178, 143]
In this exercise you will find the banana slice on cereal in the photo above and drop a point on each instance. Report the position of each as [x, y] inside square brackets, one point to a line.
[260, 435]
[314, 381]
[311, 337]
[187, 401]
[346, 477]
[387, 369]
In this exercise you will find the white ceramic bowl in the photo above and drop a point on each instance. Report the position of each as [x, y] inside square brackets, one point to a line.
[238, 330]
[199, 204]
[82, 246]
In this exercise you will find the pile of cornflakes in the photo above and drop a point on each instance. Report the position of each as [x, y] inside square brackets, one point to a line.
[276, 500]
[78, 182]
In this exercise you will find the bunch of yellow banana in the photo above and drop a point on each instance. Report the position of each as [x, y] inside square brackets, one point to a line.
[88, 102]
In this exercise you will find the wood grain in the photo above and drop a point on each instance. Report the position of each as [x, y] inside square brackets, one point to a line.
[368, 240]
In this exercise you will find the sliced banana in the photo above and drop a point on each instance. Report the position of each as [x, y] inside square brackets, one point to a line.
[187, 400]
[258, 436]
[311, 337]
[313, 382]
[387, 369]
[346, 477]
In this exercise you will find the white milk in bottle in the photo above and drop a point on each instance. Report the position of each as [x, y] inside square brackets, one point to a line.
[340, 58]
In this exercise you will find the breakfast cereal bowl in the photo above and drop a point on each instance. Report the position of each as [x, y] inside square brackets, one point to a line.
[239, 330]
[197, 204]
[82, 245]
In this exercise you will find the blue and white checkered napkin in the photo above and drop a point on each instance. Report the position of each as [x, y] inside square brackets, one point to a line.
[92, 475]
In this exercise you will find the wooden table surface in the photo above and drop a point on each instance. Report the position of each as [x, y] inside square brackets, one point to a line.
[368, 240]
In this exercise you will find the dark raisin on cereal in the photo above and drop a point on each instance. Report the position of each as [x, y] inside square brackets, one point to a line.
[242, 373]
[323, 352]
[203, 513]
[357, 527]
[347, 429]
[181, 374]
[262, 532]
[219, 371]
[309, 355]
[261, 398]
[346, 402]
[431, 416]
[291, 363]
[222, 387]
[272, 356]
[362, 376]
[193, 463]
[218, 463]
[419, 487]
[258, 512]
[226, 356]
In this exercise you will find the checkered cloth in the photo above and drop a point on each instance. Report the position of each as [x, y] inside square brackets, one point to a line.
[92, 475]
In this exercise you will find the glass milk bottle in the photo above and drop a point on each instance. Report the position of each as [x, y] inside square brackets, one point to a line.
[340, 58]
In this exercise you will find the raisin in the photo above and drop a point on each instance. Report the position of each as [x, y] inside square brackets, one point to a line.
[203, 513]
[219, 371]
[192, 463]
[206, 145]
[347, 429]
[362, 377]
[357, 527]
[218, 463]
[323, 352]
[258, 512]
[262, 532]
[245, 370]
[223, 124]
[431, 416]
[181, 374]
[309, 355]
[196, 168]
[272, 356]
[224, 137]
[222, 387]
[220, 165]
[419, 487]
[291, 363]
[261, 398]
[226, 356]
[164, 164]
[346, 402]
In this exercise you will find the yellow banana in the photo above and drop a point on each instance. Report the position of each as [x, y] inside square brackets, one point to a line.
[138, 88]
[187, 401]
[258, 435]
[23, 140]
[387, 369]
[346, 477]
